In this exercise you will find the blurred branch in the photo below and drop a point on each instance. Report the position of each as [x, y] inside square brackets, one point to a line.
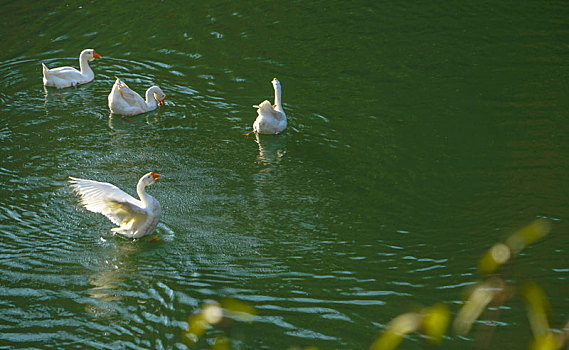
[213, 313]
[500, 253]
[482, 295]
[432, 321]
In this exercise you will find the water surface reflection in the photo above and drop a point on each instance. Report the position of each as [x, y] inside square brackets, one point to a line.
[271, 148]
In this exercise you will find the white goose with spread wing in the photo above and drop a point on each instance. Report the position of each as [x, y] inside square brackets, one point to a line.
[135, 218]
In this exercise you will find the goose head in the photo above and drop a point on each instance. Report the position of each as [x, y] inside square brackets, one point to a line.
[90, 54]
[159, 95]
[149, 178]
[276, 84]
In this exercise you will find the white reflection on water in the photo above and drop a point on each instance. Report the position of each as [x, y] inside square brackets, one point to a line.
[272, 148]
[119, 122]
[108, 281]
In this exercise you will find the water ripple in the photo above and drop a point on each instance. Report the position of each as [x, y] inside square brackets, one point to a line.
[377, 196]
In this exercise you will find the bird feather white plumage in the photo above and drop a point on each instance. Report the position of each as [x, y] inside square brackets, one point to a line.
[123, 100]
[62, 77]
[107, 199]
[128, 96]
[135, 218]
[271, 118]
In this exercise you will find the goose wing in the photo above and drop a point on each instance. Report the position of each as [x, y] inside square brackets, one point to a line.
[109, 200]
[66, 73]
[130, 97]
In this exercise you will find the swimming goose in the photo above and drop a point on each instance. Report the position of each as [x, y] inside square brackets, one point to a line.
[271, 119]
[135, 218]
[122, 100]
[62, 77]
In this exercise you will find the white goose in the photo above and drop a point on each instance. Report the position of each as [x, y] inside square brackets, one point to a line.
[122, 100]
[62, 77]
[135, 218]
[271, 119]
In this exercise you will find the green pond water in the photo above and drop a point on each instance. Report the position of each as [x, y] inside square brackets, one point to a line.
[419, 134]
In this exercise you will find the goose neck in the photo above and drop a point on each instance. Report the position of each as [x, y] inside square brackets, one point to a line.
[141, 190]
[150, 100]
[278, 98]
[84, 65]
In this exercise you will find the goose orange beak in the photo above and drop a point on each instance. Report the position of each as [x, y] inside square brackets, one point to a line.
[96, 55]
[155, 176]
[162, 102]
